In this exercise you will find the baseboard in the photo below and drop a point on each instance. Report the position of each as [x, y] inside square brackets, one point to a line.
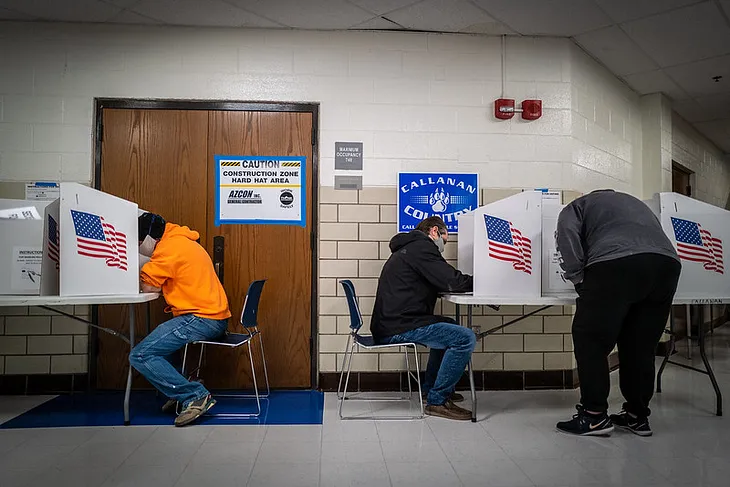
[497, 380]
[43, 384]
[488, 380]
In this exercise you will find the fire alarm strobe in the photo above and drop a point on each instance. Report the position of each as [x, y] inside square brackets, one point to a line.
[531, 109]
[504, 108]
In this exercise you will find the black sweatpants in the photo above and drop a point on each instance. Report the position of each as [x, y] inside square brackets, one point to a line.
[624, 301]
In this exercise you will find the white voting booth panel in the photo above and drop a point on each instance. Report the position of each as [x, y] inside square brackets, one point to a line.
[465, 255]
[553, 282]
[21, 243]
[701, 233]
[507, 246]
[96, 242]
[51, 250]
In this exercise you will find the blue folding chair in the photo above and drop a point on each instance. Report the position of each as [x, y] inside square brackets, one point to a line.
[355, 340]
[249, 322]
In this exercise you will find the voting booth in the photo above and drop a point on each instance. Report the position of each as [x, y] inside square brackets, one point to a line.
[500, 244]
[700, 232]
[89, 244]
[21, 241]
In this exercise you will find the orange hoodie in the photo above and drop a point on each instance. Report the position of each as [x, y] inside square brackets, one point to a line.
[184, 272]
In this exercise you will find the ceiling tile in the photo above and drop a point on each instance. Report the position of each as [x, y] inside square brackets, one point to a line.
[540, 17]
[312, 14]
[380, 7]
[76, 11]
[444, 16]
[6, 14]
[377, 23]
[655, 82]
[683, 35]
[718, 131]
[122, 3]
[130, 17]
[705, 108]
[625, 10]
[696, 78]
[615, 50]
[200, 12]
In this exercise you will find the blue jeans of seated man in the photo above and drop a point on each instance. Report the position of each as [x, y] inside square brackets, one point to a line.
[455, 342]
[150, 356]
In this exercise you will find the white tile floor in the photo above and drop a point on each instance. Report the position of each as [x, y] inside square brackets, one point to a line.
[513, 445]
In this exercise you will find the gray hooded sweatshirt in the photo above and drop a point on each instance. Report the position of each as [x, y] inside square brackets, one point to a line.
[606, 225]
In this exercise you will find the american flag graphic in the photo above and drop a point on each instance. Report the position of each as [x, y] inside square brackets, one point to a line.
[53, 239]
[99, 239]
[696, 244]
[507, 243]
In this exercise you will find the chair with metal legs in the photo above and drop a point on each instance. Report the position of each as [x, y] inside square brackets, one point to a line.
[357, 341]
[249, 322]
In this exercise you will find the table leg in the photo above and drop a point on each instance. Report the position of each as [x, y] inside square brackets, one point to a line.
[128, 390]
[689, 332]
[708, 367]
[469, 314]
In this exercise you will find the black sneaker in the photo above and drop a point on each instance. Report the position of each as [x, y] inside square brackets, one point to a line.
[584, 424]
[625, 421]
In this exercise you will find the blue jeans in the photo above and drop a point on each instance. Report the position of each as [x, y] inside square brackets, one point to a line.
[451, 348]
[151, 356]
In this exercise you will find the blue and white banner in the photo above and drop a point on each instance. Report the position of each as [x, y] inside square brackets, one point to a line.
[447, 195]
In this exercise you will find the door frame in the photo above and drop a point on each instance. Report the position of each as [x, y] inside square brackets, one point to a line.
[220, 105]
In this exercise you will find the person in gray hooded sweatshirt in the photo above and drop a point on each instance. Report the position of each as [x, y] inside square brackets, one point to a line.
[625, 270]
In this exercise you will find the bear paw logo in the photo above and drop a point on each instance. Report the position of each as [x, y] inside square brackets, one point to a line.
[439, 200]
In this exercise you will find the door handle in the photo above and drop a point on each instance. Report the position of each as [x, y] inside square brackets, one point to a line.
[219, 247]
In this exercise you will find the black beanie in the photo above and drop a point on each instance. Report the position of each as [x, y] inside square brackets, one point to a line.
[150, 224]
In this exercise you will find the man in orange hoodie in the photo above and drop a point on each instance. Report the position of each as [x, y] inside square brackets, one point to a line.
[182, 270]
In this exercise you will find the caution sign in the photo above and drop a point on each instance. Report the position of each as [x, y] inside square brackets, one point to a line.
[260, 190]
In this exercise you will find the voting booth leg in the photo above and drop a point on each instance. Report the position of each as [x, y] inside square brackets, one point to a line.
[128, 390]
[469, 313]
[708, 368]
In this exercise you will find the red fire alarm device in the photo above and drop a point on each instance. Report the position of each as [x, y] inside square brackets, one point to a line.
[504, 108]
[531, 109]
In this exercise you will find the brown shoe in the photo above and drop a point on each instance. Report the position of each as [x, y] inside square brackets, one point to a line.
[448, 410]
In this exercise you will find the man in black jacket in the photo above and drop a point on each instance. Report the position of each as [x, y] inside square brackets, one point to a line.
[409, 285]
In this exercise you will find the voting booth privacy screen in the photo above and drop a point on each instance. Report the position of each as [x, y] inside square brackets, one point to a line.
[700, 232]
[90, 244]
[509, 246]
[21, 251]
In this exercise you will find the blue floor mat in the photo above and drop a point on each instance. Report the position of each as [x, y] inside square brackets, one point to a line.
[105, 409]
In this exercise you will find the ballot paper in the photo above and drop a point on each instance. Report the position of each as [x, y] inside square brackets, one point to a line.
[23, 213]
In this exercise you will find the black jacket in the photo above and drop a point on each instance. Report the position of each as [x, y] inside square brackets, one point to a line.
[410, 283]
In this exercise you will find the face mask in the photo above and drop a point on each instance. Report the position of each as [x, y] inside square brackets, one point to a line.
[147, 246]
[440, 244]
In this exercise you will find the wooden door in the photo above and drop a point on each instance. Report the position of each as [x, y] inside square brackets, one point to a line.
[156, 158]
[282, 254]
[164, 161]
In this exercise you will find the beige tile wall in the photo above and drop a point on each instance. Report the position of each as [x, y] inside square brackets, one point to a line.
[37, 341]
[354, 234]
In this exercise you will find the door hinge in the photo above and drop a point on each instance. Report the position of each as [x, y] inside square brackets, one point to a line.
[314, 137]
[101, 132]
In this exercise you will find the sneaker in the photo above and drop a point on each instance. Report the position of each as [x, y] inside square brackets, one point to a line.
[638, 426]
[194, 410]
[448, 410]
[170, 406]
[584, 424]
